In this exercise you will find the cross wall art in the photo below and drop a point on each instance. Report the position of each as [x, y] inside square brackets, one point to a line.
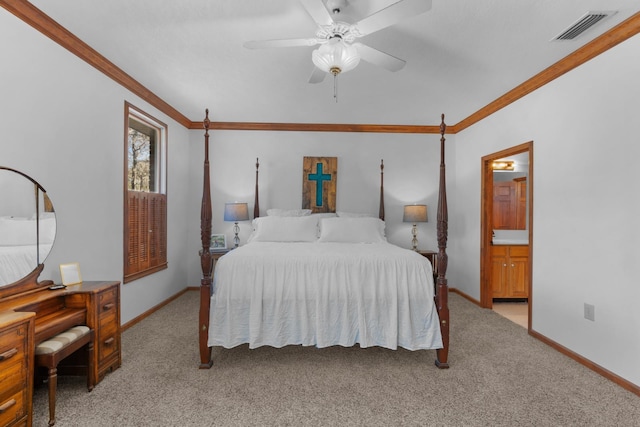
[319, 178]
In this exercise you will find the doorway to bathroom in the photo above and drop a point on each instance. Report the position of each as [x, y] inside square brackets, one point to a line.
[506, 233]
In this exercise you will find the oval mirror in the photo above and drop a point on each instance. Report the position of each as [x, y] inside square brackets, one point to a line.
[27, 225]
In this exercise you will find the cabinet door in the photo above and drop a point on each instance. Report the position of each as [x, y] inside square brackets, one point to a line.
[504, 205]
[518, 263]
[518, 278]
[499, 272]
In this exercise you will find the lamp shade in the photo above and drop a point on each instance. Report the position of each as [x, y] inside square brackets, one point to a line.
[236, 212]
[415, 213]
[335, 57]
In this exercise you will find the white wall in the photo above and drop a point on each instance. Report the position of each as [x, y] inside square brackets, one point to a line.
[63, 125]
[586, 242]
[410, 176]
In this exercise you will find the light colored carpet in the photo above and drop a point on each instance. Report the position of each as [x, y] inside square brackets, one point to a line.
[499, 376]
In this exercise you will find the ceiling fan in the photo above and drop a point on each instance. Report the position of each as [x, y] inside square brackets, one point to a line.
[338, 51]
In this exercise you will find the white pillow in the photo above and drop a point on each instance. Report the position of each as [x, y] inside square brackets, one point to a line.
[352, 230]
[284, 229]
[324, 215]
[288, 212]
[354, 215]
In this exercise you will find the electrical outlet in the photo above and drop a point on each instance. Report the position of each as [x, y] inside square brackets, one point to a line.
[590, 312]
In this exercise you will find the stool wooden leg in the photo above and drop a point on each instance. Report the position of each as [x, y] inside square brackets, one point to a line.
[53, 383]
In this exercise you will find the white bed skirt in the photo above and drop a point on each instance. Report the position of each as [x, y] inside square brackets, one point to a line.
[324, 294]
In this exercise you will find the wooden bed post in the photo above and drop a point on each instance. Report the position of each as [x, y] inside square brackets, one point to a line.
[256, 203]
[205, 256]
[381, 211]
[442, 297]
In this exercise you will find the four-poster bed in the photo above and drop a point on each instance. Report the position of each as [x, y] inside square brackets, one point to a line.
[396, 306]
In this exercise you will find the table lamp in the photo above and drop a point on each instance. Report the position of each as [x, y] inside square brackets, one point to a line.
[235, 212]
[415, 214]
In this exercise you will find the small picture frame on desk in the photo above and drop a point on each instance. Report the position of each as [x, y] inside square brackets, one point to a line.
[218, 243]
[70, 273]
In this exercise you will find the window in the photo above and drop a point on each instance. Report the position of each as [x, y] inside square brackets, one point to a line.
[145, 199]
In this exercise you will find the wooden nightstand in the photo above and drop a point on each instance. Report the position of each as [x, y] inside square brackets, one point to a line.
[433, 257]
[215, 255]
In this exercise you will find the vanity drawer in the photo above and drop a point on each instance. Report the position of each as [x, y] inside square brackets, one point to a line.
[107, 302]
[109, 340]
[13, 407]
[12, 374]
[13, 366]
[11, 340]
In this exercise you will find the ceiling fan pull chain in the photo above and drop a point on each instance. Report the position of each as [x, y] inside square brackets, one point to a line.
[335, 87]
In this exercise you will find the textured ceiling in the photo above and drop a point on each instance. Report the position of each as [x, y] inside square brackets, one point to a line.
[461, 55]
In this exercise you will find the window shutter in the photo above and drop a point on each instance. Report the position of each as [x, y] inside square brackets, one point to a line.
[158, 228]
[147, 234]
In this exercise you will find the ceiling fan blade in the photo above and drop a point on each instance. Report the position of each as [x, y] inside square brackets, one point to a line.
[263, 44]
[318, 11]
[379, 58]
[317, 75]
[392, 15]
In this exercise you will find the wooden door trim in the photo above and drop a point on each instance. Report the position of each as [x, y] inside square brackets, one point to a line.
[486, 220]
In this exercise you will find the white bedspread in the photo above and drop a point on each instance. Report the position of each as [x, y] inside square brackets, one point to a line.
[324, 294]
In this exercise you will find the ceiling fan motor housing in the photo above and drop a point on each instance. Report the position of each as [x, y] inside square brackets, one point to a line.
[346, 32]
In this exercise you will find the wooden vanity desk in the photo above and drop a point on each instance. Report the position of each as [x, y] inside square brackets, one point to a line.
[95, 304]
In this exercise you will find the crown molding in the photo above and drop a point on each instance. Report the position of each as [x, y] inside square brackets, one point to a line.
[317, 127]
[50, 28]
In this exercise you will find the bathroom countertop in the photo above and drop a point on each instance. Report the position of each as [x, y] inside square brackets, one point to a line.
[510, 242]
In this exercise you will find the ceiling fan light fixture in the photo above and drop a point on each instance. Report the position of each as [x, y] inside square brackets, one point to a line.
[336, 56]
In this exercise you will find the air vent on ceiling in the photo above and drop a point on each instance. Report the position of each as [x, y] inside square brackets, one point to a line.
[585, 22]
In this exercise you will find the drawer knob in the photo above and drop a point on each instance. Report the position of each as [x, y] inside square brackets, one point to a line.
[7, 405]
[8, 354]
[109, 341]
[108, 306]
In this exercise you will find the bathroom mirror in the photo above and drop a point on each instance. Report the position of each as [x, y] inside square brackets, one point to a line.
[510, 193]
[27, 228]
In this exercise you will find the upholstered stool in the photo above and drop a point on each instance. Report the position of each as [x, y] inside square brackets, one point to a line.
[50, 352]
